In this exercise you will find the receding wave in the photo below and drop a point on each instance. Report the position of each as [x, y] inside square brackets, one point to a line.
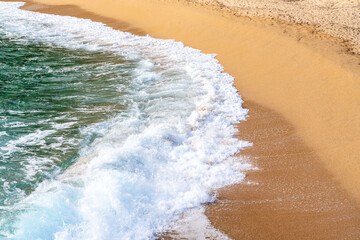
[107, 135]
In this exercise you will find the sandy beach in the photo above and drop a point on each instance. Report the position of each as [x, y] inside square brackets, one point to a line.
[302, 87]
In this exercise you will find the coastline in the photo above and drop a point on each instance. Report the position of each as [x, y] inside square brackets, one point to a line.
[270, 68]
[254, 66]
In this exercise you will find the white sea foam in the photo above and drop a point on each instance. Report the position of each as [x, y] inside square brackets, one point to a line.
[164, 155]
[36, 138]
[194, 225]
[3, 133]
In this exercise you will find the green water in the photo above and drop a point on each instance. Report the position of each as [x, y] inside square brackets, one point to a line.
[48, 99]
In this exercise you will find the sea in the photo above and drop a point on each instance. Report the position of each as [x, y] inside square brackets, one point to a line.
[108, 135]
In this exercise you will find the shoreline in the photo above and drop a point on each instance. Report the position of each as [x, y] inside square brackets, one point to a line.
[255, 67]
[315, 76]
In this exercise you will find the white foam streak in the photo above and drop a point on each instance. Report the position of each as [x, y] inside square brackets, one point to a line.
[35, 138]
[194, 225]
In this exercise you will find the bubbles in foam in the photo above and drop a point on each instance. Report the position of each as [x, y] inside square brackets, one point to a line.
[163, 154]
[194, 224]
[35, 138]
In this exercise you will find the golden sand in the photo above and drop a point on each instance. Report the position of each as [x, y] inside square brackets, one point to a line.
[309, 174]
[339, 18]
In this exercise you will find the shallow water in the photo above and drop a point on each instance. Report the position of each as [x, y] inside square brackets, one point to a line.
[104, 134]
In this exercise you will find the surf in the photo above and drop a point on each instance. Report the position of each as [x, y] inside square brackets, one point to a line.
[142, 130]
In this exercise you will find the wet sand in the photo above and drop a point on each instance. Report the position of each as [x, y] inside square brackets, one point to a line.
[291, 196]
[307, 145]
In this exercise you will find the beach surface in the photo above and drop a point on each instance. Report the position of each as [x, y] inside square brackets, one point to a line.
[302, 87]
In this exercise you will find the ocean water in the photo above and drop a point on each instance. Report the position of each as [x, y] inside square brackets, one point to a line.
[107, 135]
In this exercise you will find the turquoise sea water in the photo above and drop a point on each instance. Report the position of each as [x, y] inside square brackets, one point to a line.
[48, 97]
[106, 135]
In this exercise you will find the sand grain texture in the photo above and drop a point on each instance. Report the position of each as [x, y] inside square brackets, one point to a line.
[339, 18]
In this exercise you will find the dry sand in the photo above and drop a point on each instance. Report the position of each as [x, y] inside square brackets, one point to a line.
[339, 18]
[307, 145]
